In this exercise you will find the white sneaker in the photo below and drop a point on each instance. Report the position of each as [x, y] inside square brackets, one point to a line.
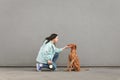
[38, 66]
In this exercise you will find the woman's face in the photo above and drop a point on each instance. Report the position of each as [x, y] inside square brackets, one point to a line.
[55, 40]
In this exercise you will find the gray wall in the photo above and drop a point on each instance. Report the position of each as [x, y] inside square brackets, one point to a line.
[94, 25]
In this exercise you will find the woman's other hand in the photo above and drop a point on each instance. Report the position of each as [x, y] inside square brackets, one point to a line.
[49, 62]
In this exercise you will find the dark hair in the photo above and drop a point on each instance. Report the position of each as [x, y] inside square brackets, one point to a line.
[51, 37]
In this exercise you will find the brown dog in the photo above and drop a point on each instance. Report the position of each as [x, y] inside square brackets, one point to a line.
[73, 60]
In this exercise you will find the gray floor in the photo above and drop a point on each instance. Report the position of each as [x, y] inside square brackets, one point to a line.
[101, 73]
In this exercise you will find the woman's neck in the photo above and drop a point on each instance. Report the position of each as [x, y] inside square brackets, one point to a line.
[53, 41]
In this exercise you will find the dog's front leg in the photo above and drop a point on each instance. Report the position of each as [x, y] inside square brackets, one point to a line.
[70, 68]
[69, 65]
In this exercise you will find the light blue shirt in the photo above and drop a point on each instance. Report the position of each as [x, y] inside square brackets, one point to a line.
[47, 52]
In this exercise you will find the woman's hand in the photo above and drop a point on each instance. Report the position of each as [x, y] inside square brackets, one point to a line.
[66, 47]
[49, 62]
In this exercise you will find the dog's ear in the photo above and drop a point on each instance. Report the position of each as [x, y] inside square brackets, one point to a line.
[75, 46]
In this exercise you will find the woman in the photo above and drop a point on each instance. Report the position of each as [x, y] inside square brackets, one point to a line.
[48, 53]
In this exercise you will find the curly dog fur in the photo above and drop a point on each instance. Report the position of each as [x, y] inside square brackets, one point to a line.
[73, 60]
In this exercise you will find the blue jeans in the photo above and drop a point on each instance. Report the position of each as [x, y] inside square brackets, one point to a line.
[53, 62]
